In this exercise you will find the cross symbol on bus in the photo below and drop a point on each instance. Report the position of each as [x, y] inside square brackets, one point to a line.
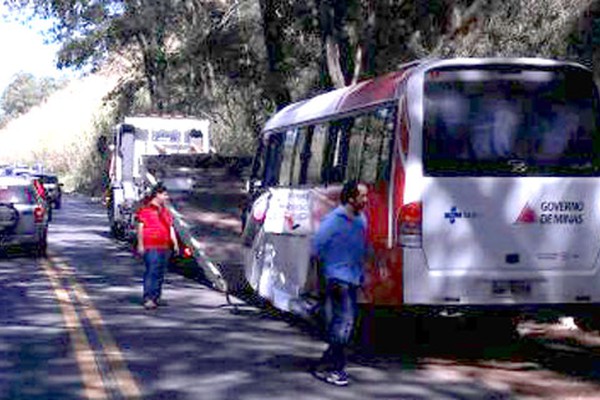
[453, 214]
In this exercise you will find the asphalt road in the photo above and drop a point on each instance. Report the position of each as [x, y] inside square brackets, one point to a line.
[72, 327]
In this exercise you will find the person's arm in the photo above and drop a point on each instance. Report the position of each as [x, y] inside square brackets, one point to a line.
[174, 240]
[140, 238]
[172, 233]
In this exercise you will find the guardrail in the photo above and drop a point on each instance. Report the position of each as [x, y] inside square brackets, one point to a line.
[210, 269]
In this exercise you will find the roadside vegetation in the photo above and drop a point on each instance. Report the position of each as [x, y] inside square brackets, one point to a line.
[237, 61]
[25, 92]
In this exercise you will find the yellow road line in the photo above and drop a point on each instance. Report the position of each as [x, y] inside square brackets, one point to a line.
[126, 384]
[125, 381]
[92, 379]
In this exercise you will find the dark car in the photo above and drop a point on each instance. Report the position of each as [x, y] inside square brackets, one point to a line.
[53, 189]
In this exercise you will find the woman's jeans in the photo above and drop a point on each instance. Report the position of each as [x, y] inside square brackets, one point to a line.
[156, 261]
[340, 315]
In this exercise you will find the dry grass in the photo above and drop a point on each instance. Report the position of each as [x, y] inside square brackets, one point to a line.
[61, 133]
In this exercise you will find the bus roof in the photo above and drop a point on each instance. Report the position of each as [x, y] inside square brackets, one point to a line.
[361, 95]
[380, 90]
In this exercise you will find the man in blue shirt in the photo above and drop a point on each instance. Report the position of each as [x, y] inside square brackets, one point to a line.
[340, 247]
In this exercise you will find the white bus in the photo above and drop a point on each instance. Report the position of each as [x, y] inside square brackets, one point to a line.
[484, 186]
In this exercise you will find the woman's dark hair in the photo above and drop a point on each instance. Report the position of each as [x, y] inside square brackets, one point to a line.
[156, 189]
[349, 190]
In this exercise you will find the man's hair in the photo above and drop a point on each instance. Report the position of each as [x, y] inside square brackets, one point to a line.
[349, 190]
[156, 189]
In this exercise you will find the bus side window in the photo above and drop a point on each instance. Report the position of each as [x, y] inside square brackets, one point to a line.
[331, 138]
[336, 151]
[302, 155]
[314, 165]
[288, 151]
[369, 152]
[273, 159]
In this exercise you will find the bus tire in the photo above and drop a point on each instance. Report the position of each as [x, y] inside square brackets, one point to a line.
[498, 328]
[588, 322]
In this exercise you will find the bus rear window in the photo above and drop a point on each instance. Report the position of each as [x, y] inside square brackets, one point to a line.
[510, 121]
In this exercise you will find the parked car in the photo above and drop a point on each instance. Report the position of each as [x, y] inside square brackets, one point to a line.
[23, 216]
[53, 188]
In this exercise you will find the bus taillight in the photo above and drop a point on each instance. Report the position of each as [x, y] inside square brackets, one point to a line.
[410, 225]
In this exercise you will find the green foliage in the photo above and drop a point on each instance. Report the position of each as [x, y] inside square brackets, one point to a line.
[237, 61]
[26, 91]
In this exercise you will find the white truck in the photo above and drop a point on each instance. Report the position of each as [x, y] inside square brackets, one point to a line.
[205, 189]
[135, 139]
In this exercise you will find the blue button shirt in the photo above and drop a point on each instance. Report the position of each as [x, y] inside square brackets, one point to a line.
[341, 246]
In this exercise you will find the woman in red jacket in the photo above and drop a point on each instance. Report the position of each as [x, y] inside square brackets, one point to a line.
[155, 240]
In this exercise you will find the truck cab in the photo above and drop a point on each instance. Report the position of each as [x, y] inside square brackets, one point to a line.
[135, 139]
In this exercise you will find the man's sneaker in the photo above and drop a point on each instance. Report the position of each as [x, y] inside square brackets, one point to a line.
[149, 304]
[320, 373]
[338, 378]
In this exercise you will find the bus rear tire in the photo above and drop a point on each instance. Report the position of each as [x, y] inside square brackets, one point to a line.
[589, 322]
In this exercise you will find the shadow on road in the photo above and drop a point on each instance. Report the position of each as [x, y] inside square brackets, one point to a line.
[202, 346]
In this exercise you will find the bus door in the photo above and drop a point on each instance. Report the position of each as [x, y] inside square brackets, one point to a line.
[383, 281]
[362, 150]
[281, 249]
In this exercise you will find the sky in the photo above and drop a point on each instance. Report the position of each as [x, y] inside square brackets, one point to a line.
[23, 48]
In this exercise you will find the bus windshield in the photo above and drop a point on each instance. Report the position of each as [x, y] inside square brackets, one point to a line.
[510, 121]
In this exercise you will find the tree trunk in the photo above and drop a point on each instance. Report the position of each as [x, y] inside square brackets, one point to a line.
[341, 60]
[273, 25]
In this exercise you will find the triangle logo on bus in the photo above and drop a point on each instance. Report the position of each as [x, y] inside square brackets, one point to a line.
[527, 215]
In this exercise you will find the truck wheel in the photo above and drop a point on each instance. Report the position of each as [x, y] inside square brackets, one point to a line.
[117, 231]
[113, 230]
[120, 232]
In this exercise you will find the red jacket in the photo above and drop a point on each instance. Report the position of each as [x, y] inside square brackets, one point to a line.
[156, 230]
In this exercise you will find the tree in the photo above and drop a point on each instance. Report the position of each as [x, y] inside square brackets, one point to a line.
[191, 55]
[26, 91]
[90, 32]
[276, 16]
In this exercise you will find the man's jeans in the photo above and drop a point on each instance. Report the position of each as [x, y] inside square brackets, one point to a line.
[156, 261]
[340, 315]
